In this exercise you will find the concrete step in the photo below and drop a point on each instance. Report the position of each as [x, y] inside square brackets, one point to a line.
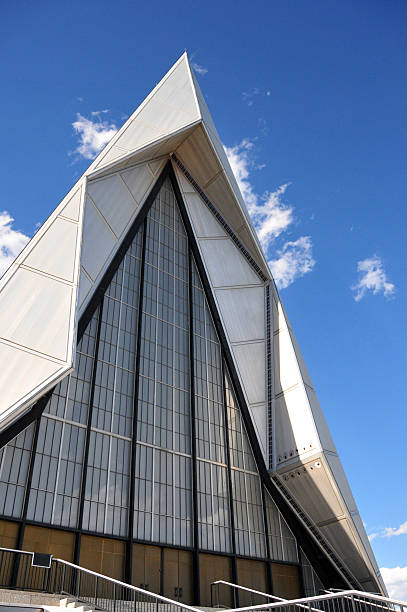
[12, 596]
[69, 602]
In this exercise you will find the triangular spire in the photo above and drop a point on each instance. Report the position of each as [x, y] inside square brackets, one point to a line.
[167, 111]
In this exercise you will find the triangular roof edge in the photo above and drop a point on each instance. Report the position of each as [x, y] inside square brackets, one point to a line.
[137, 111]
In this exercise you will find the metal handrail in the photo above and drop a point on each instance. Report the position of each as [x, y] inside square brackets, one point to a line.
[333, 596]
[238, 586]
[267, 595]
[131, 587]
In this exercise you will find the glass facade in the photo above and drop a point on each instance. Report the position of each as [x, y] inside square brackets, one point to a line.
[148, 361]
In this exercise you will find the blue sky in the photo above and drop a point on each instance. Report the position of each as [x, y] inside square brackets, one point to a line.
[310, 101]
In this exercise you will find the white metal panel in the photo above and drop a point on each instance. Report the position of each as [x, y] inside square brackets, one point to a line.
[341, 536]
[98, 241]
[156, 166]
[138, 134]
[85, 286]
[357, 521]
[244, 312]
[114, 201]
[310, 482]
[286, 370]
[258, 412]
[295, 353]
[294, 429]
[36, 300]
[250, 363]
[204, 222]
[72, 209]
[321, 425]
[19, 374]
[226, 266]
[111, 154]
[171, 106]
[56, 250]
[138, 181]
[184, 184]
[341, 481]
[198, 157]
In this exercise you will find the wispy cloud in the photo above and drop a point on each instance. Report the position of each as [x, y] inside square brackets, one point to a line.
[93, 134]
[372, 277]
[293, 261]
[199, 69]
[395, 579]
[12, 241]
[271, 217]
[390, 532]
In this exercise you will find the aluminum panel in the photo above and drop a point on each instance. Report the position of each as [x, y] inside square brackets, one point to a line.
[184, 184]
[72, 209]
[310, 483]
[113, 200]
[115, 153]
[341, 536]
[138, 181]
[258, 413]
[243, 312]
[294, 429]
[286, 370]
[98, 241]
[34, 313]
[21, 373]
[199, 158]
[156, 166]
[250, 361]
[138, 134]
[321, 425]
[84, 287]
[55, 252]
[225, 265]
[170, 107]
[203, 220]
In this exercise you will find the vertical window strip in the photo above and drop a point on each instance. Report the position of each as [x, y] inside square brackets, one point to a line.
[212, 489]
[57, 470]
[14, 465]
[106, 495]
[246, 483]
[163, 510]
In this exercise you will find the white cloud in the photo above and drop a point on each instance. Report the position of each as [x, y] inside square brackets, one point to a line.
[11, 241]
[294, 260]
[372, 277]
[93, 135]
[271, 218]
[199, 69]
[240, 163]
[389, 532]
[395, 579]
[372, 536]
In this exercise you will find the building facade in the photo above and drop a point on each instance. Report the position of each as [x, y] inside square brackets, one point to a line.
[157, 423]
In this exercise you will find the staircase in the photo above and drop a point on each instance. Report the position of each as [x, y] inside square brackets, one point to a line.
[66, 585]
